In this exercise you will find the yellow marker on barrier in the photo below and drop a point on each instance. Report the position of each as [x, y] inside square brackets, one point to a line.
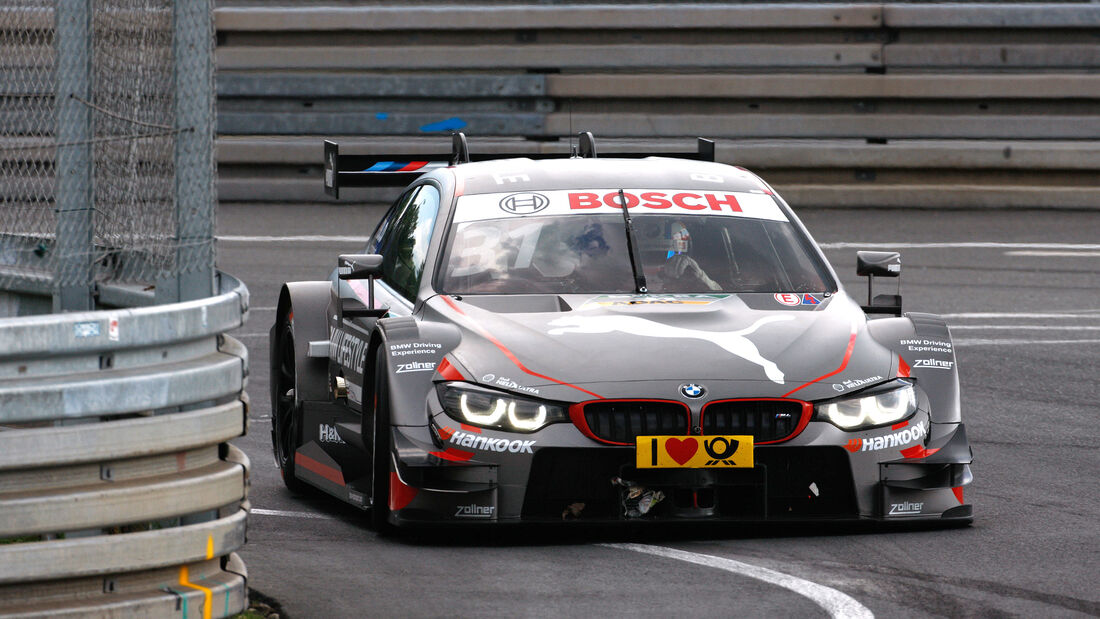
[207, 605]
[209, 547]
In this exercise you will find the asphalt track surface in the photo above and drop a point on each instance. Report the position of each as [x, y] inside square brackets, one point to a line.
[1021, 292]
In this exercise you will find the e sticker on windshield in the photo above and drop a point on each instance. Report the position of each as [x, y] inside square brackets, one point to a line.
[479, 207]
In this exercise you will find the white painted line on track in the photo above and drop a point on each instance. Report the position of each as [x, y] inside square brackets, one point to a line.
[954, 327]
[959, 245]
[1027, 327]
[277, 512]
[836, 603]
[322, 238]
[1053, 253]
[1095, 314]
[301, 238]
[962, 316]
[965, 342]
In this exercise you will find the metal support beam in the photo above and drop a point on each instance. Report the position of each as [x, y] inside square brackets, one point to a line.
[75, 279]
[193, 53]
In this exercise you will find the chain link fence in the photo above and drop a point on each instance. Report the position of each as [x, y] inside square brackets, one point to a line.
[106, 146]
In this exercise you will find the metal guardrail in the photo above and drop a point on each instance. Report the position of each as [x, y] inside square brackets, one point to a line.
[888, 104]
[119, 493]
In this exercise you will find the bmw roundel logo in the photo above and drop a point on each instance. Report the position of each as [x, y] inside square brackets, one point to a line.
[524, 203]
[691, 390]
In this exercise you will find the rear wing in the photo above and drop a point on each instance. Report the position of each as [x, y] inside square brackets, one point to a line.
[400, 170]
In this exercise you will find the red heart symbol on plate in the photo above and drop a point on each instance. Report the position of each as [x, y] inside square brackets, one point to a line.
[681, 450]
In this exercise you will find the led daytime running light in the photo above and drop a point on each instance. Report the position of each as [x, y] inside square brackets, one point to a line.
[526, 424]
[478, 406]
[493, 416]
[871, 410]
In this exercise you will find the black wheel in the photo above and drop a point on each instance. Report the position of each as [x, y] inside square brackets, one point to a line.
[380, 449]
[286, 422]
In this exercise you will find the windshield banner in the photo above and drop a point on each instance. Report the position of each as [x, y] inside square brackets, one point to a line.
[594, 201]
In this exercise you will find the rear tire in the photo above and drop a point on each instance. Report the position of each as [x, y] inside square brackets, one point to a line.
[286, 412]
[380, 449]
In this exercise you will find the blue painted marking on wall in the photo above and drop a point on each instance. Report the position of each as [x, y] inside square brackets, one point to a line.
[381, 116]
[451, 124]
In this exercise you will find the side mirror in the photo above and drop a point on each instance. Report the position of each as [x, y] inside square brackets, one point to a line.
[356, 267]
[883, 264]
[359, 266]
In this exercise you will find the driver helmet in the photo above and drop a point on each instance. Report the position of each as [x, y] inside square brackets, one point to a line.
[679, 239]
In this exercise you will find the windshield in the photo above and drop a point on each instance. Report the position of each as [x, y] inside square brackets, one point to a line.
[587, 253]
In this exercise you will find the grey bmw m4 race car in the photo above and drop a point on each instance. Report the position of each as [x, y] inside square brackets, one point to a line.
[614, 338]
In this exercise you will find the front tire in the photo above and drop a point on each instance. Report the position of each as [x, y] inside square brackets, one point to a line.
[286, 412]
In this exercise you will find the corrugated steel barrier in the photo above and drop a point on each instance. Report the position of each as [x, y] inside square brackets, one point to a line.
[119, 493]
[872, 104]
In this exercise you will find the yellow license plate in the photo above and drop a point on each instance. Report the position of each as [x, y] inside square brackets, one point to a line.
[693, 452]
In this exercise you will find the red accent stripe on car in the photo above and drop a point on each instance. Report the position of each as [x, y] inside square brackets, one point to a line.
[324, 470]
[576, 415]
[460, 183]
[448, 371]
[900, 425]
[958, 490]
[468, 428]
[508, 353]
[452, 454]
[843, 363]
[917, 451]
[903, 368]
[445, 433]
[400, 493]
[413, 165]
[803, 421]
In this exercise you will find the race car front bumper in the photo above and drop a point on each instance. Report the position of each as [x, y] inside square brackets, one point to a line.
[601, 484]
[930, 484]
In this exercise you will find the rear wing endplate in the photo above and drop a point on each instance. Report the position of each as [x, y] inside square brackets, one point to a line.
[400, 170]
[384, 170]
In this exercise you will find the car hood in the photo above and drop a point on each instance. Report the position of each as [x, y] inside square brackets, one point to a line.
[752, 345]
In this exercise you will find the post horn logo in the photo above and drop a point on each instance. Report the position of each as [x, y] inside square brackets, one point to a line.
[720, 449]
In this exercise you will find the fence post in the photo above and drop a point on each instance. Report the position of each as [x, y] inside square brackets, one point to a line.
[73, 290]
[193, 64]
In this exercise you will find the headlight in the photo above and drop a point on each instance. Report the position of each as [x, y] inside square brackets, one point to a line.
[495, 409]
[888, 404]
